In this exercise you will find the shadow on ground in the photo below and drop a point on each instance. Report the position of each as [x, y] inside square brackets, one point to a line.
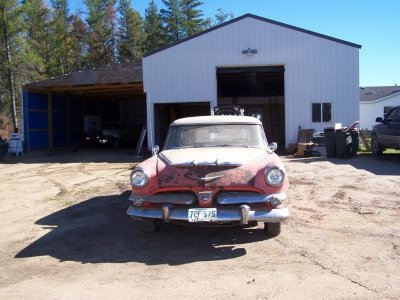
[386, 164]
[99, 231]
[83, 155]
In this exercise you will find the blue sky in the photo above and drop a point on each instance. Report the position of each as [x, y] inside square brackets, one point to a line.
[373, 24]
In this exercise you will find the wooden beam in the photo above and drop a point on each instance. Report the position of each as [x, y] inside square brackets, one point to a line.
[50, 118]
[364, 140]
[99, 87]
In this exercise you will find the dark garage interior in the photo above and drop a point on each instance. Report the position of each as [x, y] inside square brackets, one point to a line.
[165, 114]
[55, 109]
[260, 91]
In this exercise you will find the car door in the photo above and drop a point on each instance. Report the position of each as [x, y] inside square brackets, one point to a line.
[396, 127]
[390, 130]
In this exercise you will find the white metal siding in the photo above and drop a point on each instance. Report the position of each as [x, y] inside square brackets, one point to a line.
[316, 70]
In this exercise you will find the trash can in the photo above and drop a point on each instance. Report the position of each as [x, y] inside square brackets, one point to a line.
[343, 144]
[15, 144]
[329, 140]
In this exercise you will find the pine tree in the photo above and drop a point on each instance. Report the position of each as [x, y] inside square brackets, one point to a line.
[37, 23]
[12, 52]
[172, 19]
[102, 28]
[222, 17]
[59, 34]
[153, 29]
[130, 32]
[192, 22]
[77, 47]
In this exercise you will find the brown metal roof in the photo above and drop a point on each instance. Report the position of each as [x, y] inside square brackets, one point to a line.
[121, 74]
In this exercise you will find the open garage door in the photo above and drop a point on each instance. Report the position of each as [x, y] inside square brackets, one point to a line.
[165, 114]
[260, 91]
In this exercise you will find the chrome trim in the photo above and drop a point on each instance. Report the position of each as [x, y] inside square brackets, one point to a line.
[182, 199]
[166, 212]
[226, 198]
[223, 214]
[244, 212]
[205, 179]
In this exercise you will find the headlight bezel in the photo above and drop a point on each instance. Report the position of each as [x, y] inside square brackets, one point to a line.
[272, 172]
[145, 177]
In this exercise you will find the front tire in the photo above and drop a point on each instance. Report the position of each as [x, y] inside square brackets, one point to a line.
[272, 229]
[376, 148]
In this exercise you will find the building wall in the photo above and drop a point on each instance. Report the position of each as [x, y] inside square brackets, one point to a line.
[316, 70]
[369, 111]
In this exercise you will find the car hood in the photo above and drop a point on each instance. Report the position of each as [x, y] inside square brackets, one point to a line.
[221, 156]
[213, 166]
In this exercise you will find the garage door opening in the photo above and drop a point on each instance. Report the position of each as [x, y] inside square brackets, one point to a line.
[260, 91]
[165, 114]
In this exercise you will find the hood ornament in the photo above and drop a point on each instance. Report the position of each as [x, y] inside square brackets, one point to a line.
[205, 179]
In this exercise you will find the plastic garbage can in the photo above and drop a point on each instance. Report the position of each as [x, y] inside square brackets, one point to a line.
[329, 140]
[343, 143]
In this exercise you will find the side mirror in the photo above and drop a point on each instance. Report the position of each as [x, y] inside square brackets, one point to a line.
[273, 146]
[379, 120]
[155, 150]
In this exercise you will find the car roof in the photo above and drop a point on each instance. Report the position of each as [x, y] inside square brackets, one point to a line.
[224, 119]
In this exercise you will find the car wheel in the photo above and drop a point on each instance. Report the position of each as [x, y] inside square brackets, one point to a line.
[376, 148]
[272, 229]
[149, 226]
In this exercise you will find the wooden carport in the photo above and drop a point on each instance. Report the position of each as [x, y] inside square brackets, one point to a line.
[53, 108]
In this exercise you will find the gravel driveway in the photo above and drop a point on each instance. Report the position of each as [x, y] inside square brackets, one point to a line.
[64, 234]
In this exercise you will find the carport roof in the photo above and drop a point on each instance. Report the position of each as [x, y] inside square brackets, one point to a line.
[117, 75]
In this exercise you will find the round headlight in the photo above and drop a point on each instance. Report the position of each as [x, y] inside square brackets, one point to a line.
[139, 178]
[274, 176]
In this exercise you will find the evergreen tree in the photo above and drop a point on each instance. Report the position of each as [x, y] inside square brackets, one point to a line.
[130, 32]
[222, 17]
[172, 19]
[12, 51]
[101, 37]
[77, 47]
[59, 34]
[153, 29]
[192, 22]
[37, 19]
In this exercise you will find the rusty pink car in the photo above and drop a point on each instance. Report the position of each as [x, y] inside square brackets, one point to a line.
[213, 170]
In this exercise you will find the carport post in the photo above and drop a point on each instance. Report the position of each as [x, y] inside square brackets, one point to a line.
[50, 118]
[68, 120]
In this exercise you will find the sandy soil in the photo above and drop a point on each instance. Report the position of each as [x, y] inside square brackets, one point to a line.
[64, 234]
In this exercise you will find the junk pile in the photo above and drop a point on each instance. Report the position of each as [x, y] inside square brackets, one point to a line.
[340, 142]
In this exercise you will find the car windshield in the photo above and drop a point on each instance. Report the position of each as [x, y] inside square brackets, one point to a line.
[220, 135]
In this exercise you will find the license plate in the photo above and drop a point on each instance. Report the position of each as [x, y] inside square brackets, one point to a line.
[202, 214]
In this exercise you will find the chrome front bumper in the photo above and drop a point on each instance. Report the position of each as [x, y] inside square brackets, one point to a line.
[242, 214]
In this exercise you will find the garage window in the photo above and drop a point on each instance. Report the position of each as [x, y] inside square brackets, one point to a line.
[321, 112]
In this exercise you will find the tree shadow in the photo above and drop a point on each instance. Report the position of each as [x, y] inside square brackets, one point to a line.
[99, 231]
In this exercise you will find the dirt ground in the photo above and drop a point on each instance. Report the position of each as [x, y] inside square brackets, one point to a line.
[64, 234]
